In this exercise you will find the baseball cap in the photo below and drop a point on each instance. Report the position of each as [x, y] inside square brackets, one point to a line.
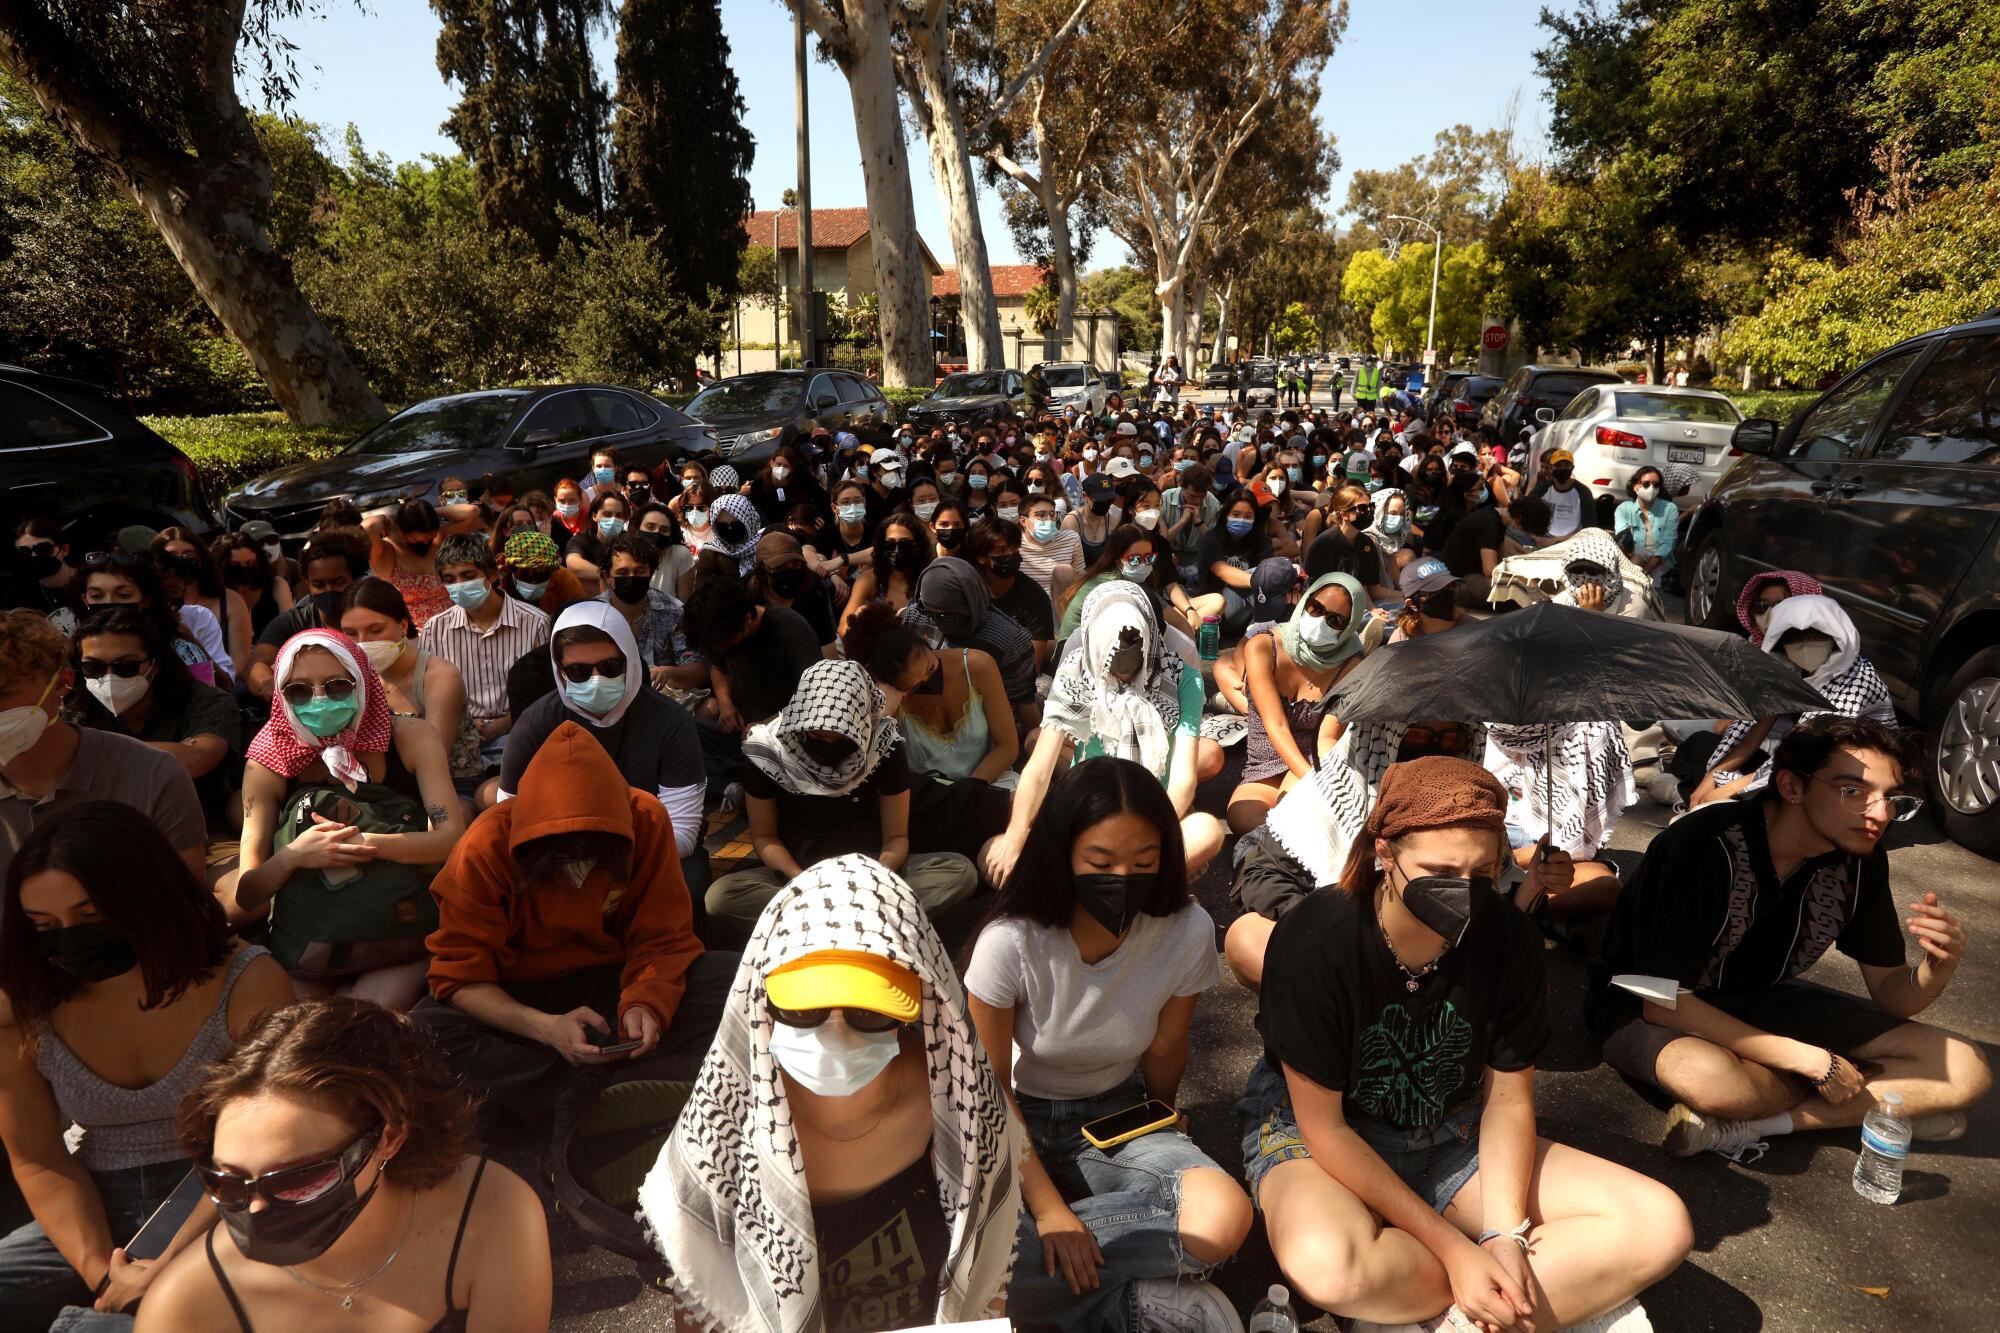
[1271, 585]
[1560, 456]
[258, 531]
[1121, 466]
[888, 460]
[1127, 428]
[837, 978]
[1098, 486]
[1427, 575]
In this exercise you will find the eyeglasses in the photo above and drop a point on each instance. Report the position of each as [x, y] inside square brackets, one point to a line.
[861, 1020]
[1901, 809]
[576, 673]
[298, 694]
[288, 1184]
[94, 668]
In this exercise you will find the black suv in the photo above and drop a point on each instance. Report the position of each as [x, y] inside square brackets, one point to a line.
[1887, 490]
[65, 451]
[532, 437]
[1511, 412]
[970, 396]
[754, 415]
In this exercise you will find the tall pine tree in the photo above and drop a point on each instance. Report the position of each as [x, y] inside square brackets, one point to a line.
[532, 112]
[680, 156]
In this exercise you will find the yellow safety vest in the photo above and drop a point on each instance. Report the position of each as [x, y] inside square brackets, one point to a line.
[1368, 383]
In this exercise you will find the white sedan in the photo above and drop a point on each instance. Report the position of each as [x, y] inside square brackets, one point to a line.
[1613, 430]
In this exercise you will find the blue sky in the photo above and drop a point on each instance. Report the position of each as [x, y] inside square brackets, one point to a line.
[1403, 73]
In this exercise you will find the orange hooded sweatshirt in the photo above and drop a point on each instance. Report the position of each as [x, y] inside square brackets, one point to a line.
[493, 929]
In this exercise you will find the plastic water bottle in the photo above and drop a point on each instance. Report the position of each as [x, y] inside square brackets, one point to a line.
[1210, 641]
[1274, 1313]
[1885, 1147]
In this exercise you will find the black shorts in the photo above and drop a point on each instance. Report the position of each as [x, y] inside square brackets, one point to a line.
[1800, 1010]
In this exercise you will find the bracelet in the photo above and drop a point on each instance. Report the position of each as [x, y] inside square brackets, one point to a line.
[1832, 1063]
[1519, 1235]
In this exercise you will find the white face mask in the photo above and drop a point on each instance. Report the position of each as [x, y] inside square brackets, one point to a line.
[1147, 518]
[696, 518]
[1009, 512]
[23, 725]
[779, 472]
[832, 1061]
[383, 653]
[1318, 631]
[118, 693]
[273, 551]
[1645, 493]
[1276, 486]
[1090, 455]
[925, 508]
[1810, 655]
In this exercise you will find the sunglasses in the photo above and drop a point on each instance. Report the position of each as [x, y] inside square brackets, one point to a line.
[861, 1020]
[288, 1184]
[112, 560]
[37, 548]
[576, 673]
[1337, 619]
[298, 694]
[93, 668]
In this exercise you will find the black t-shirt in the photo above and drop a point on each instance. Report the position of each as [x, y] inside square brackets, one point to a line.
[815, 603]
[1336, 1008]
[1484, 529]
[815, 828]
[1218, 547]
[591, 547]
[63, 606]
[654, 743]
[1332, 553]
[764, 669]
[1029, 607]
[285, 624]
[882, 1254]
[1706, 908]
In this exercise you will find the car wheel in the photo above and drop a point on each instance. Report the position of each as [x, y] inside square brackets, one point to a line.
[1704, 586]
[1964, 767]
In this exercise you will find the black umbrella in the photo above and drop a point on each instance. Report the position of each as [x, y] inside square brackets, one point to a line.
[1554, 663]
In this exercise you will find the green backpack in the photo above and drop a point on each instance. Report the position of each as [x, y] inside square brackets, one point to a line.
[329, 925]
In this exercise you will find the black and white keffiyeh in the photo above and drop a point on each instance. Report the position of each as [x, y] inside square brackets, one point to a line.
[833, 695]
[738, 507]
[727, 1204]
[1846, 678]
[1569, 781]
[1317, 821]
[1131, 719]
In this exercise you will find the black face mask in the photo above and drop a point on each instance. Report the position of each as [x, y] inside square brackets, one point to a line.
[639, 494]
[787, 583]
[1100, 506]
[297, 1233]
[37, 563]
[951, 538]
[1562, 474]
[1363, 517]
[327, 604]
[731, 530]
[827, 753]
[1114, 900]
[1006, 566]
[630, 588]
[1440, 605]
[1445, 903]
[900, 554]
[91, 952]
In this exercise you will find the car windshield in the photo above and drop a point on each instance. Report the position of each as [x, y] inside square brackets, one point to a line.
[462, 421]
[1263, 375]
[747, 395]
[1064, 377]
[964, 386]
[1677, 407]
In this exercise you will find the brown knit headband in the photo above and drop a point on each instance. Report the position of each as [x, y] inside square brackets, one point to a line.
[1437, 791]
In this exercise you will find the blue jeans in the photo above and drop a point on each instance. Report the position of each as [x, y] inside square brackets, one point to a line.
[1129, 1197]
[36, 1282]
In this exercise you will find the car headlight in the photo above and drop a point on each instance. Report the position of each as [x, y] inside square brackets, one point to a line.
[750, 439]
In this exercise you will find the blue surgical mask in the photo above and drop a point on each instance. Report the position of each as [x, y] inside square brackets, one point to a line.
[1391, 524]
[610, 527]
[598, 695]
[1138, 571]
[530, 592]
[1145, 460]
[1480, 496]
[852, 513]
[861, 471]
[1240, 527]
[1183, 464]
[977, 481]
[1046, 529]
[470, 594]
[1319, 460]
[1296, 474]
[605, 475]
[1374, 484]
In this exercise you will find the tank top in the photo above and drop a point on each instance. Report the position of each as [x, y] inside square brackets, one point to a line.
[464, 759]
[127, 1127]
[424, 594]
[454, 1320]
[957, 754]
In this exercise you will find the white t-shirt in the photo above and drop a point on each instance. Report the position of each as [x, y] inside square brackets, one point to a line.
[1080, 1028]
[1565, 510]
[207, 631]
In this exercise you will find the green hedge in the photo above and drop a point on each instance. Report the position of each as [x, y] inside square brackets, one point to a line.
[1779, 405]
[231, 449]
[905, 396]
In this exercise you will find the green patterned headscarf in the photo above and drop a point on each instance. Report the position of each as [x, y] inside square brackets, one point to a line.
[530, 549]
[1316, 658]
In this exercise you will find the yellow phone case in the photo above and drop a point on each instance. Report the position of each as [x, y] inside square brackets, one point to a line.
[1095, 1142]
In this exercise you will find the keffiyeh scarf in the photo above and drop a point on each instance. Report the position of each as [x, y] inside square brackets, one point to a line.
[1598, 548]
[1569, 781]
[1386, 542]
[1847, 679]
[1317, 821]
[287, 748]
[1131, 719]
[726, 1203]
[737, 507]
[833, 695]
[1800, 585]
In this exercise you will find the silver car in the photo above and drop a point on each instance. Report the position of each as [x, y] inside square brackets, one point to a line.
[1074, 384]
[1613, 430]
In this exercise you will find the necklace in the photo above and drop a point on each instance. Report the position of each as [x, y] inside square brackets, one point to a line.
[1411, 979]
[353, 1289]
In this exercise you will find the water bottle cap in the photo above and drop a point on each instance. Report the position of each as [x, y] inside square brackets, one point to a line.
[1892, 1099]
[1277, 1295]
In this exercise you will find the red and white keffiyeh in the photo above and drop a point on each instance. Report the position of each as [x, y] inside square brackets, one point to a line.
[288, 748]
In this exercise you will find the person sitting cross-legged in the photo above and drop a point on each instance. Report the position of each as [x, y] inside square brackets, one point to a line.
[1737, 899]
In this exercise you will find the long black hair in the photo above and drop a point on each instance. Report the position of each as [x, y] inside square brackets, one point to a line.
[173, 683]
[1041, 887]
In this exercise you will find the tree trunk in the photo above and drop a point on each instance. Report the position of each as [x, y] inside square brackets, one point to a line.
[951, 168]
[1192, 352]
[1660, 359]
[900, 281]
[1222, 321]
[1173, 318]
[1062, 258]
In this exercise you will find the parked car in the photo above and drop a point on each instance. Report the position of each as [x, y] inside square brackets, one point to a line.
[67, 452]
[1074, 384]
[1511, 412]
[972, 395]
[1469, 396]
[531, 437]
[1440, 389]
[1114, 382]
[1262, 378]
[1613, 430]
[1221, 375]
[754, 415]
[1887, 490]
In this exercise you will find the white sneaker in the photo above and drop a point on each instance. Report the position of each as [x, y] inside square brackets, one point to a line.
[1940, 1127]
[1690, 1132]
[1177, 1305]
[1453, 1320]
[1627, 1318]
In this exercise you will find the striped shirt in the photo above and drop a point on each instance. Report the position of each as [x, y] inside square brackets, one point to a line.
[1039, 562]
[485, 656]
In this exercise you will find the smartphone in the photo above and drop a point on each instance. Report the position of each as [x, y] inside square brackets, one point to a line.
[1131, 1123]
[165, 1223]
[605, 1046]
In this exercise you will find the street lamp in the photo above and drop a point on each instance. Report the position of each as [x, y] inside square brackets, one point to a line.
[1437, 253]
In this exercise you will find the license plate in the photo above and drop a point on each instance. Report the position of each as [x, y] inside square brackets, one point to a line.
[1696, 455]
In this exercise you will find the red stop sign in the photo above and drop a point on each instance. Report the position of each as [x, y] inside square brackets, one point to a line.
[1494, 338]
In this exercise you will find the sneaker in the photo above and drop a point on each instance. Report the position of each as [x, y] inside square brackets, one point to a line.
[1453, 1320]
[1942, 1127]
[1627, 1318]
[1690, 1132]
[1176, 1305]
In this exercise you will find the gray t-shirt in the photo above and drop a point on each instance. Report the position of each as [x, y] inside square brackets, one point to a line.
[110, 767]
[1080, 1028]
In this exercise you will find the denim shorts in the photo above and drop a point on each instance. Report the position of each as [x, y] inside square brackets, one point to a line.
[1435, 1163]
